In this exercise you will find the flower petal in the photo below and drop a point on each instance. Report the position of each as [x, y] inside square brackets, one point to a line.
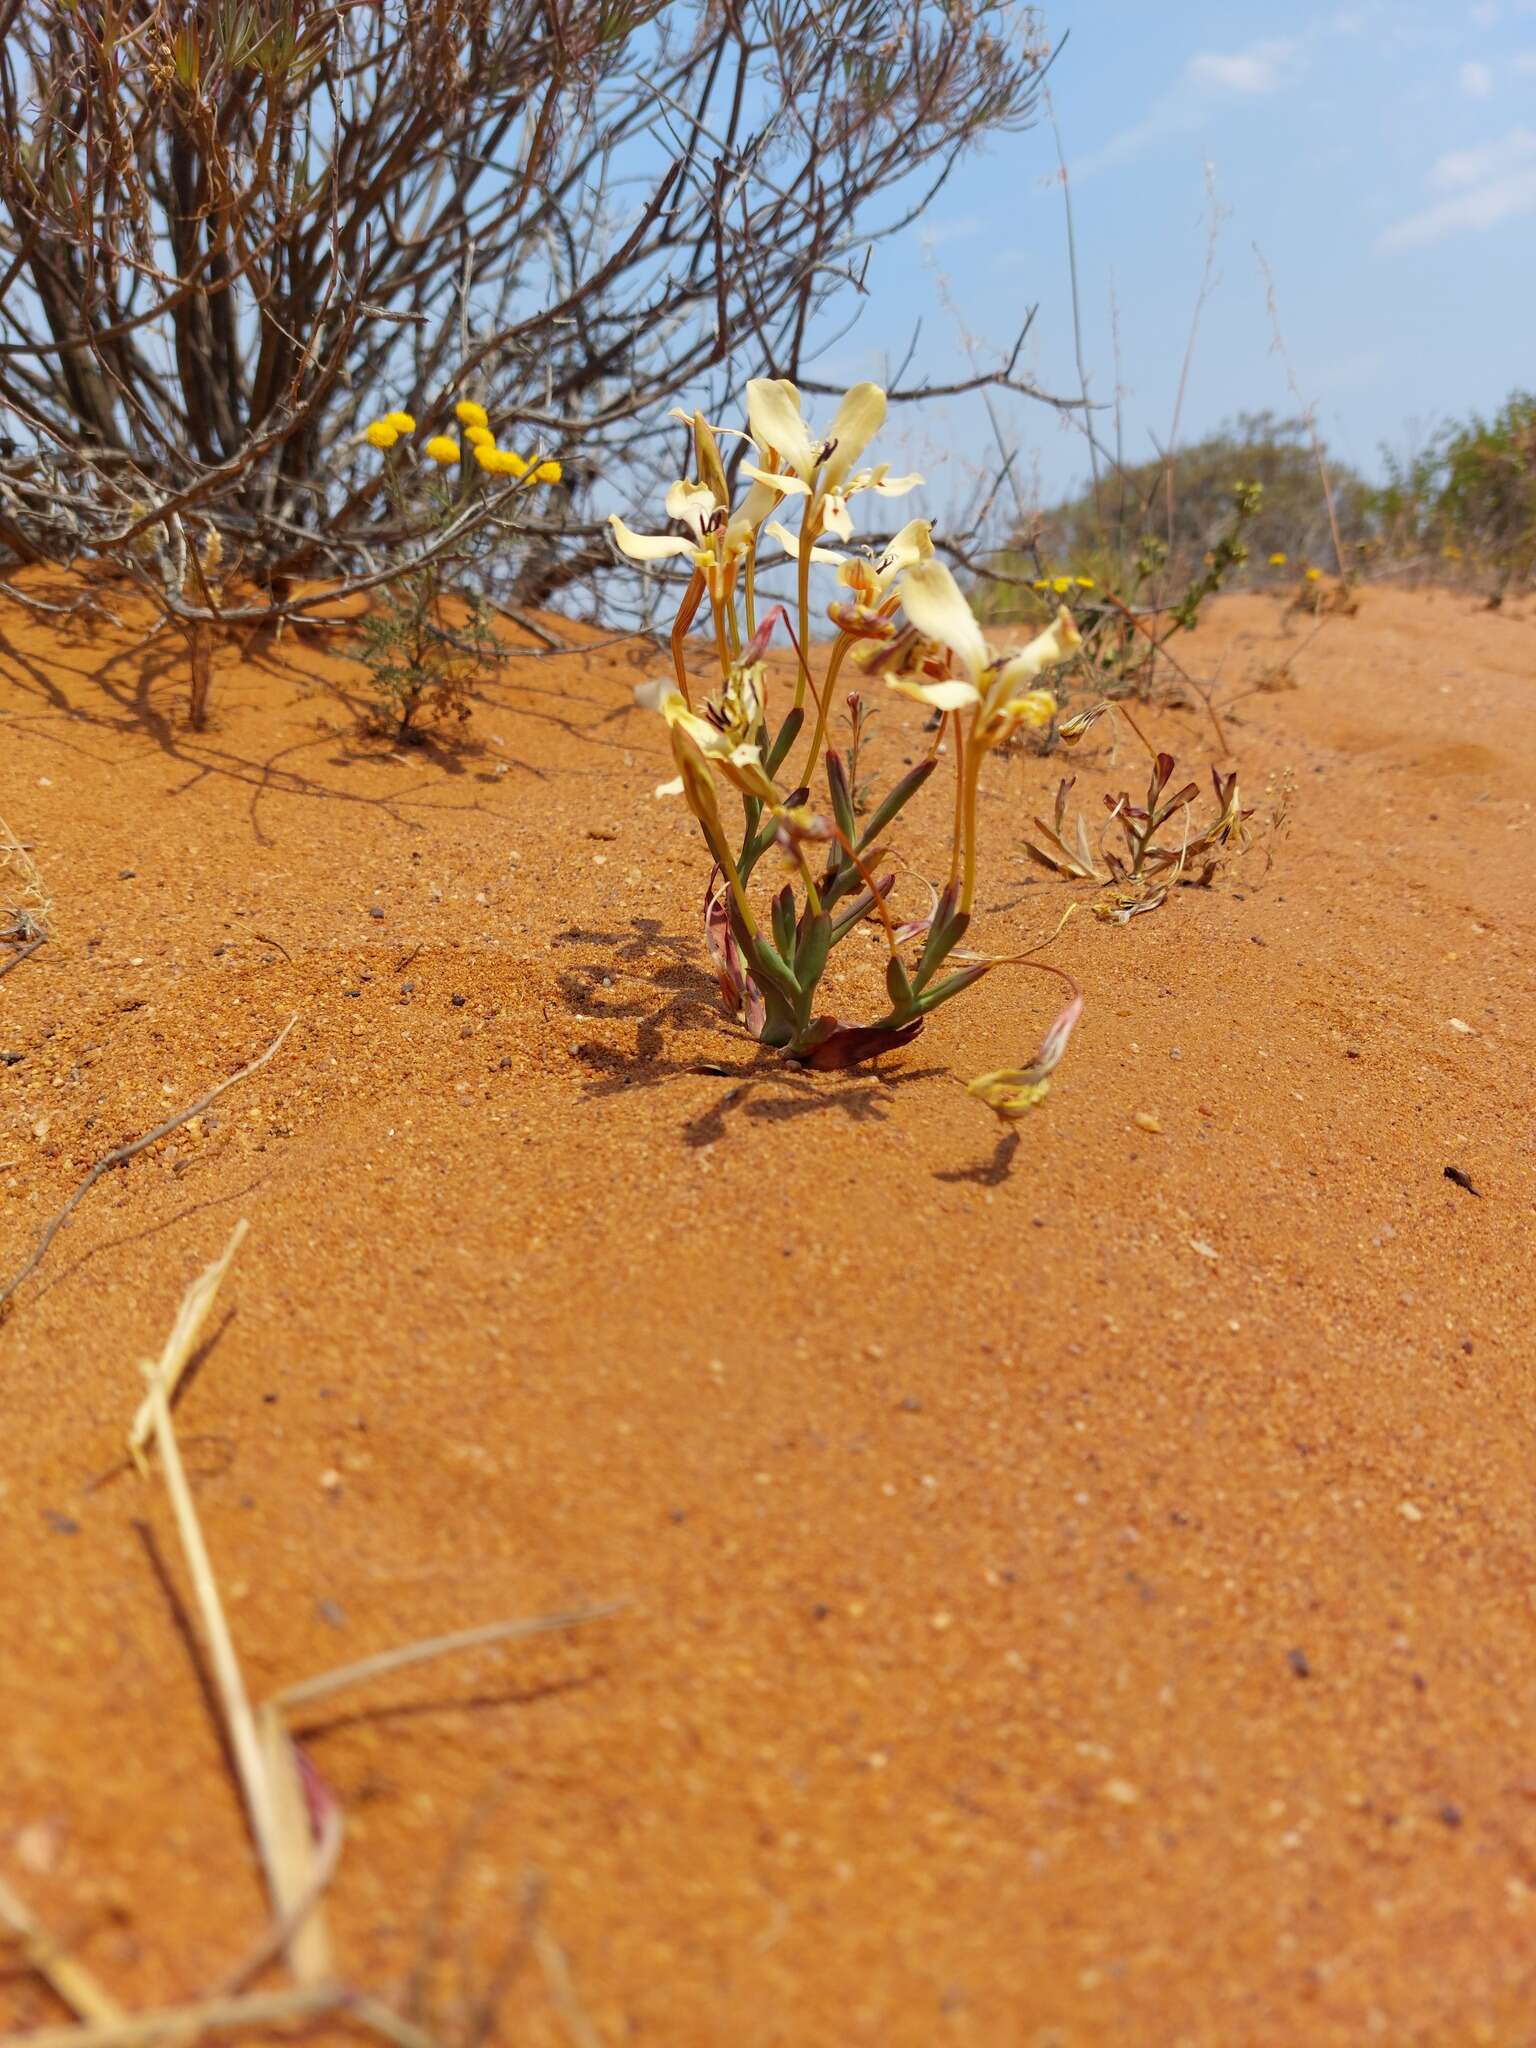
[690, 505]
[859, 418]
[773, 412]
[790, 543]
[1057, 643]
[896, 486]
[936, 605]
[835, 516]
[950, 696]
[779, 481]
[913, 544]
[647, 547]
[654, 693]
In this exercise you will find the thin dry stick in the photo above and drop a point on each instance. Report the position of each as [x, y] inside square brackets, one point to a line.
[1077, 310]
[71, 1980]
[250, 1764]
[139, 2030]
[277, 1817]
[562, 1990]
[180, 1345]
[1213, 235]
[25, 953]
[326, 1682]
[131, 1151]
[278, 1936]
[1308, 412]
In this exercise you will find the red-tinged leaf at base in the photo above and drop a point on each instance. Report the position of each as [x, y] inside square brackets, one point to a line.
[846, 1045]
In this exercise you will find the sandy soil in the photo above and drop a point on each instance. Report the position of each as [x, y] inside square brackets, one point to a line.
[1079, 1592]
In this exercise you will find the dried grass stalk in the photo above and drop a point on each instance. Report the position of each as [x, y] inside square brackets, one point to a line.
[71, 1980]
[274, 1799]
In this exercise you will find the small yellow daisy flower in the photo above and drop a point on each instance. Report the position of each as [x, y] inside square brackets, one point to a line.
[443, 448]
[1083, 582]
[402, 422]
[380, 434]
[480, 437]
[1277, 561]
[1314, 575]
[1061, 585]
[469, 414]
[548, 472]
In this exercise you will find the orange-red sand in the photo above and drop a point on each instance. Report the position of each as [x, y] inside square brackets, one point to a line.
[1077, 1593]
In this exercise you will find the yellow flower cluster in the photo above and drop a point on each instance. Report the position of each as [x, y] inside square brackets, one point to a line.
[1277, 561]
[1060, 585]
[443, 449]
[386, 431]
[1314, 575]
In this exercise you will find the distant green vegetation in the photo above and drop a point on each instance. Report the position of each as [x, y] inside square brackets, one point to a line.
[1183, 508]
[1461, 509]
[1466, 504]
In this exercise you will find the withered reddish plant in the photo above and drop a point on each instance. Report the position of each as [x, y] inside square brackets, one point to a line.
[902, 617]
[1161, 844]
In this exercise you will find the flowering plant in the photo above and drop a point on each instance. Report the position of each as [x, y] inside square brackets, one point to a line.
[424, 643]
[899, 615]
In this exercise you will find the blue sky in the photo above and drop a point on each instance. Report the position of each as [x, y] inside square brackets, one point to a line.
[1382, 155]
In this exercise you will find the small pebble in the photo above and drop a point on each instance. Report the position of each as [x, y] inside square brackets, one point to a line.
[1144, 1120]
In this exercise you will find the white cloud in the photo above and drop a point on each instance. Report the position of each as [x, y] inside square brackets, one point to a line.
[1483, 187]
[936, 234]
[1209, 78]
[1262, 68]
[1476, 79]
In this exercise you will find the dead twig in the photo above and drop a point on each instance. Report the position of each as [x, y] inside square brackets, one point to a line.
[121, 1157]
[326, 1682]
[25, 953]
[71, 1980]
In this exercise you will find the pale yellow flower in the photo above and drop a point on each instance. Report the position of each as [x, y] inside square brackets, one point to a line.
[937, 607]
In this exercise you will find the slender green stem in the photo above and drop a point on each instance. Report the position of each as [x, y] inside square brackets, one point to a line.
[954, 851]
[813, 900]
[693, 597]
[820, 732]
[803, 582]
[722, 648]
[972, 779]
[732, 873]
